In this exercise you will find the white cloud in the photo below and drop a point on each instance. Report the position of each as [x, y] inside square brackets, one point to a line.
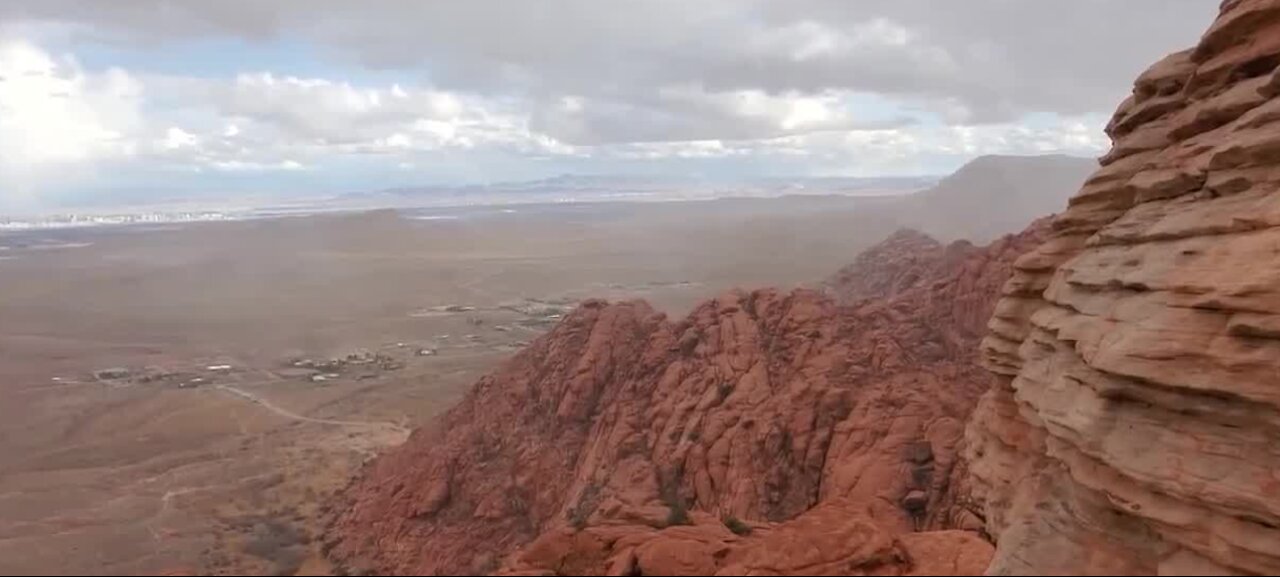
[591, 62]
[686, 149]
[54, 115]
[769, 90]
[319, 113]
[996, 58]
[692, 113]
[809, 40]
[243, 166]
[176, 138]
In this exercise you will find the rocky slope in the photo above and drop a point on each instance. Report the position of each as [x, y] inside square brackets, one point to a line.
[831, 433]
[1136, 426]
[895, 265]
[833, 538]
[908, 259]
[991, 196]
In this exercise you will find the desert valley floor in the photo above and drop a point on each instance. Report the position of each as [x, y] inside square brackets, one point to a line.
[264, 361]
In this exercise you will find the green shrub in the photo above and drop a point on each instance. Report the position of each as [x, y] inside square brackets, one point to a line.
[677, 513]
[587, 503]
[723, 390]
[669, 491]
[736, 525]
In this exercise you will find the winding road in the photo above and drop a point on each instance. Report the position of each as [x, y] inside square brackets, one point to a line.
[286, 413]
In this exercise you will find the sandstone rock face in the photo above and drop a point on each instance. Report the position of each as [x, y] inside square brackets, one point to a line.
[834, 538]
[893, 266]
[833, 431]
[1136, 426]
[908, 259]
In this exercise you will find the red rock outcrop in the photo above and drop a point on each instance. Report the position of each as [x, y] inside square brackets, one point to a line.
[893, 266]
[756, 407]
[833, 538]
[1136, 427]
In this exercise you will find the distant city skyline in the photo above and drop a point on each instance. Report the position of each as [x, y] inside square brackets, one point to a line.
[132, 100]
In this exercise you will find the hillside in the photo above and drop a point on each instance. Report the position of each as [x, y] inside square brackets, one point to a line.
[783, 411]
[994, 195]
[1130, 428]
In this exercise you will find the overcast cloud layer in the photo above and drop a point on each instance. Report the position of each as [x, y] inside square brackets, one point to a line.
[135, 97]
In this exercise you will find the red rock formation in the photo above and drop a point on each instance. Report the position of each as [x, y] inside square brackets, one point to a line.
[833, 538]
[1136, 428]
[891, 267]
[757, 406]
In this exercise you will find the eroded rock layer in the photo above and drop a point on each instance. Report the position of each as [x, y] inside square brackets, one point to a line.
[785, 413]
[1136, 427]
[834, 538]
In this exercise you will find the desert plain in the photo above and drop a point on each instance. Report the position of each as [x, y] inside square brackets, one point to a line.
[186, 398]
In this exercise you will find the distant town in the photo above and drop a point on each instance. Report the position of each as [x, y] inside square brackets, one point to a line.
[80, 220]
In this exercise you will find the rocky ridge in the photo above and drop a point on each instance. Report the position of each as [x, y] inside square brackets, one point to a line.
[1136, 425]
[766, 433]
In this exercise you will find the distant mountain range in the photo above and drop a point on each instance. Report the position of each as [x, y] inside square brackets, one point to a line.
[604, 188]
[990, 196]
[995, 195]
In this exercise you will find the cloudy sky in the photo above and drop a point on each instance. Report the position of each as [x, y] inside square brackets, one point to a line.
[139, 99]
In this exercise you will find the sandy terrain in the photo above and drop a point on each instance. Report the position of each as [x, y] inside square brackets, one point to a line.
[177, 466]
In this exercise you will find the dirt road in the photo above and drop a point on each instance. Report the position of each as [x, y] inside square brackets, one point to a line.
[286, 413]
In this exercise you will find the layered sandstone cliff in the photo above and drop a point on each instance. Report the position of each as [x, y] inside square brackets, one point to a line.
[830, 433]
[1136, 426]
